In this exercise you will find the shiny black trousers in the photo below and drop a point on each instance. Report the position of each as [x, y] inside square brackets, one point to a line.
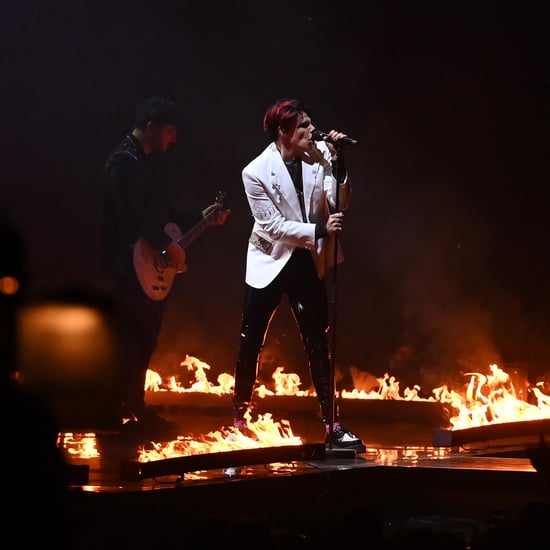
[307, 297]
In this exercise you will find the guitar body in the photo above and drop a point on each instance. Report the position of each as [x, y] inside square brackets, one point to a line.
[154, 275]
[155, 279]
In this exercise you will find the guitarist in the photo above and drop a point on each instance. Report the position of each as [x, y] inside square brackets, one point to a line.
[136, 206]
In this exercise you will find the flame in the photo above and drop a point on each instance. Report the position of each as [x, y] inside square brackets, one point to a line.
[486, 399]
[153, 381]
[285, 384]
[388, 388]
[263, 432]
[79, 445]
[492, 399]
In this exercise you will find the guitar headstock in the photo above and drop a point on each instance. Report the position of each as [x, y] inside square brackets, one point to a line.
[220, 197]
[208, 213]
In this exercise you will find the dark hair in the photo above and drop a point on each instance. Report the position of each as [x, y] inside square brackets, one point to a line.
[281, 114]
[159, 110]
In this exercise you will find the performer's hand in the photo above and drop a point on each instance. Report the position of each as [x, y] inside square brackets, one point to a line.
[335, 223]
[219, 217]
[313, 154]
[331, 139]
[176, 257]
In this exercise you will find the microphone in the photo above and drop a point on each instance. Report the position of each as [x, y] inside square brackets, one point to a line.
[317, 135]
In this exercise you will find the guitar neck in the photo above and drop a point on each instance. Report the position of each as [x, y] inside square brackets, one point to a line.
[196, 231]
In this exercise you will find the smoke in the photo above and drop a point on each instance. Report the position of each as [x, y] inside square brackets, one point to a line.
[434, 256]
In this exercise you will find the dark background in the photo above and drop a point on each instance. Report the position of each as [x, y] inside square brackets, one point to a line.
[446, 242]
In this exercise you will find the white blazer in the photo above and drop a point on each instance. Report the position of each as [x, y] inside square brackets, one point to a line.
[278, 227]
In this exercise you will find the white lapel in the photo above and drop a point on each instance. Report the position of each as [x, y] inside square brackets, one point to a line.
[309, 177]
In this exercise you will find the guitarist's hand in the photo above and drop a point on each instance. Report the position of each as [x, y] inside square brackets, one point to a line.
[216, 218]
[176, 257]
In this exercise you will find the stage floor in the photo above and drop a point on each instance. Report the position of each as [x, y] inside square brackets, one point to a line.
[402, 476]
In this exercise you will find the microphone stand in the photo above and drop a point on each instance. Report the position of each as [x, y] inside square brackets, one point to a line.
[332, 378]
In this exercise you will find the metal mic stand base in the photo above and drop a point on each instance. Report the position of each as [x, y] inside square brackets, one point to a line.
[340, 454]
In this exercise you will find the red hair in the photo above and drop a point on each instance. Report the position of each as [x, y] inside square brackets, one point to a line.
[281, 114]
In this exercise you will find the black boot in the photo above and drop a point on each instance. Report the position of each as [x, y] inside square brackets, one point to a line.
[342, 438]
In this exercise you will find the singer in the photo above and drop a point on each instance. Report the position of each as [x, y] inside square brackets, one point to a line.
[291, 189]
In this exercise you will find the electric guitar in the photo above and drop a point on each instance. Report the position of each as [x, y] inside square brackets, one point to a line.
[152, 266]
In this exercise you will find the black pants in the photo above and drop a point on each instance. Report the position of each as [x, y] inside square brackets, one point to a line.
[139, 323]
[308, 301]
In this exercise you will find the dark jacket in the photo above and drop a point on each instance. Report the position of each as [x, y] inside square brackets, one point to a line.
[136, 205]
